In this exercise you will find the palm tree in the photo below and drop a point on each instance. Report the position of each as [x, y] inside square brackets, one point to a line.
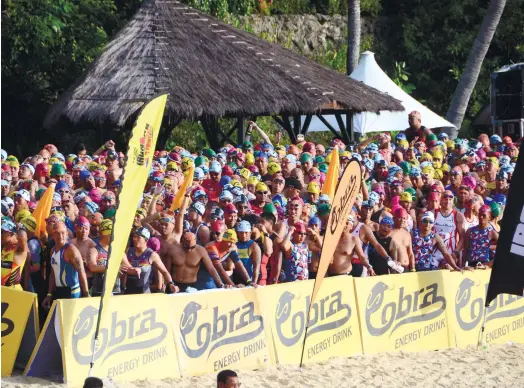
[353, 35]
[469, 76]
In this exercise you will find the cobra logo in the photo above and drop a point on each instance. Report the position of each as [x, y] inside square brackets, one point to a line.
[123, 334]
[321, 311]
[408, 309]
[224, 329]
[6, 322]
[468, 311]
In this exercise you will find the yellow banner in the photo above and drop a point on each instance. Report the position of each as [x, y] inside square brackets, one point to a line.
[467, 295]
[137, 343]
[42, 211]
[404, 312]
[333, 327]
[333, 173]
[139, 159]
[16, 307]
[219, 330]
[346, 193]
[188, 182]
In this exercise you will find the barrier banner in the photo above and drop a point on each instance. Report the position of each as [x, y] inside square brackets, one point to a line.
[220, 329]
[505, 316]
[403, 312]
[135, 343]
[20, 327]
[333, 326]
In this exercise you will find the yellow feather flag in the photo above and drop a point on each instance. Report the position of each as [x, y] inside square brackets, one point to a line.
[179, 197]
[139, 159]
[42, 211]
[331, 182]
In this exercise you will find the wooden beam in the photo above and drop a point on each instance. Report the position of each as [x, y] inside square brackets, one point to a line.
[328, 125]
[291, 133]
[241, 130]
[307, 122]
[286, 125]
[342, 127]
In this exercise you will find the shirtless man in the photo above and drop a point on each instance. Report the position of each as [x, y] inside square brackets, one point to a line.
[401, 240]
[347, 247]
[184, 262]
[85, 245]
[366, 211]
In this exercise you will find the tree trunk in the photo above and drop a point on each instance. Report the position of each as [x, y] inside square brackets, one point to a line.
[353, 35]
[468, 78]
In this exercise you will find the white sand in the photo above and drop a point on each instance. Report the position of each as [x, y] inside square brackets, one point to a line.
[499, 366]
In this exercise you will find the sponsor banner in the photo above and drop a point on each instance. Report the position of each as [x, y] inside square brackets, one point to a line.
[507, 276]
[19, 327]
[219, 330]
[136, 341]
[341, 205]
[138, 164]
[46, 359]
[403, 312]
[466, 294]
[333, 329]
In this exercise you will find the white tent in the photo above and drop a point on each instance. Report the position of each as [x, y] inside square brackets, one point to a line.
[370, 73]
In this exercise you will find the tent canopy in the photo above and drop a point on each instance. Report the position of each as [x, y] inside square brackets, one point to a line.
[370, 73]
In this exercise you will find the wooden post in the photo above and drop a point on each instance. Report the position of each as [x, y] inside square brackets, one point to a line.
[241, 131]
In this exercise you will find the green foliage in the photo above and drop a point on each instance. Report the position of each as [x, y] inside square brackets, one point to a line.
[401, 77]
[46, 44]
[435, 39]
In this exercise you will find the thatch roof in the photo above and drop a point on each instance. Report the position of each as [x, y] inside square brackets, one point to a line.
[208, 68]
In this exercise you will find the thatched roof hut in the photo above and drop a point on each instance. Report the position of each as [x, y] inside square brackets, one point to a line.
[209, 69]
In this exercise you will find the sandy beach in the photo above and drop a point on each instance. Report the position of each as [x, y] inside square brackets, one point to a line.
[499, 366]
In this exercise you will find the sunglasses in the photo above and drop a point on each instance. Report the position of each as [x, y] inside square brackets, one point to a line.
[456, 173]
[106, 199]
[427, 221]
[167, 220]
[450, 196]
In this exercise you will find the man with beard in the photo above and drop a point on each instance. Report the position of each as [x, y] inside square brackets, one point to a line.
[186, 258]
[347, 248]
[85, 245]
